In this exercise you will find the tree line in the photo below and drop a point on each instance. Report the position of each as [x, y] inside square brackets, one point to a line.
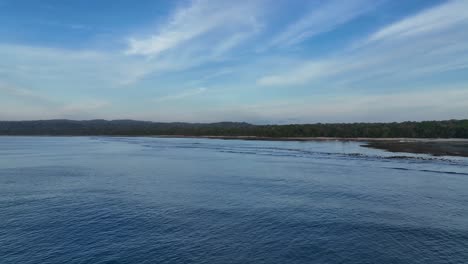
[424, 129]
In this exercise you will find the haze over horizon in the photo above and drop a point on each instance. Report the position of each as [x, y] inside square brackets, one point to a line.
[259, 61]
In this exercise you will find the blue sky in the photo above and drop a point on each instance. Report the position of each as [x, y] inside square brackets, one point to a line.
[260, 61]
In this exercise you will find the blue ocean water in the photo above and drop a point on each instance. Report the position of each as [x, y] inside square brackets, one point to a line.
[160, 200]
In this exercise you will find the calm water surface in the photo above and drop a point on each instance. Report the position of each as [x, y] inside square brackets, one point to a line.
[153, 200]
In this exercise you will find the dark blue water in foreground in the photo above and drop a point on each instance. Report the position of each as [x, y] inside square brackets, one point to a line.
[150, 200]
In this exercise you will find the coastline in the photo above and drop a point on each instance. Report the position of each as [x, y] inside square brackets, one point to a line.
[363, 139]
[431, 146]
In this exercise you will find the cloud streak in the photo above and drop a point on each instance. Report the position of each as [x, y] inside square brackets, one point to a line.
[37, 105]
[201, 17]
[432, 21]
[181, 95]
[388, 107]
[391, 52]
[328, 16]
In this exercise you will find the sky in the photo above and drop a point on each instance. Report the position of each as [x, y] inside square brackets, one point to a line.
[258, 61]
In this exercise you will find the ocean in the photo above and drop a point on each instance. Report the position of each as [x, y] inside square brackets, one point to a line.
[189, 200]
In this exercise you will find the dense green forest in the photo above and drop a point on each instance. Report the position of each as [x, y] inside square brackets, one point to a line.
[426, 129]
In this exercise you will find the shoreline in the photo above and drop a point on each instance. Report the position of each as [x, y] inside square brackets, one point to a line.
[359, 139]
[431, 146]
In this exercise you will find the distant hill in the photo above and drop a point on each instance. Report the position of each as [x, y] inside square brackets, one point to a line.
[425, 129]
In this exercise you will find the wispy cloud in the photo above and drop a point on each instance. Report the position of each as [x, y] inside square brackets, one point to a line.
[431, 21]
[26, 95]
[181, 95]
[51, 66]
[389, 107]
[87, 106]
[391, 52]
[196, 34]
[177, 45]
[326, 17]
[199, 18]
[411, 105]
[37, 105]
